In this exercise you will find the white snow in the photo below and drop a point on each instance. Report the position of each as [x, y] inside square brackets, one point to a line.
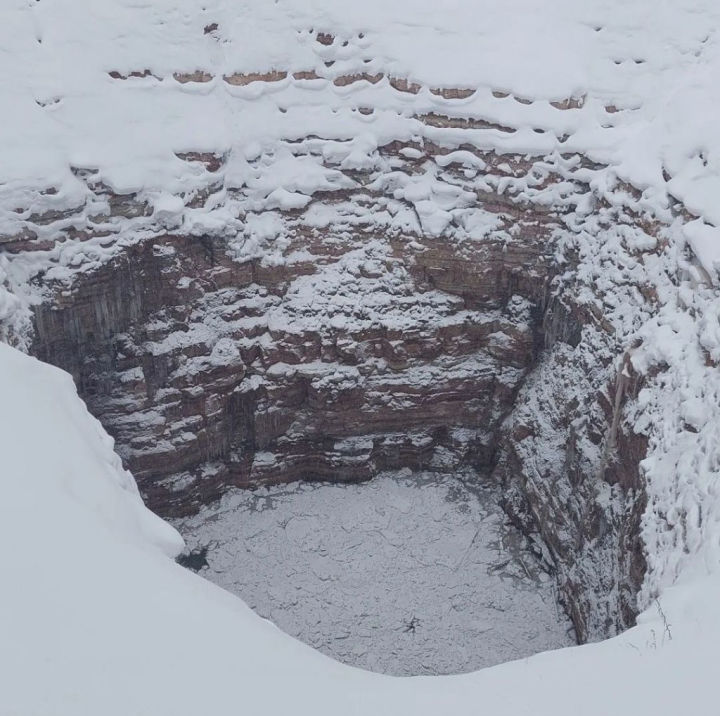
[97, 619]
[641, 77]
[705, 243]
[407, 574]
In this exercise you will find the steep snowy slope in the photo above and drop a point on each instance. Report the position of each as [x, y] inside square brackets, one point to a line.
[96, 617]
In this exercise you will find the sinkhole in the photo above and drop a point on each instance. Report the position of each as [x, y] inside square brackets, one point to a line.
[404, 449]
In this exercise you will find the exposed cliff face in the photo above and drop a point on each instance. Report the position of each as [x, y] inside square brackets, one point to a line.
[570, 474]
[366, 273]
[322, 343]
[359, 350]
[317, 239]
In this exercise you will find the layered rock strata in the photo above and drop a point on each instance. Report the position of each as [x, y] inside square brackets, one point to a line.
[432, 305]
[359, 349]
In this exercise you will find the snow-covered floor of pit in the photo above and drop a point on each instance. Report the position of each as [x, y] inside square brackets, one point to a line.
[408, 574]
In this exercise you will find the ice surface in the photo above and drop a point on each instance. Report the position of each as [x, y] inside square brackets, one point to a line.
[408, 574]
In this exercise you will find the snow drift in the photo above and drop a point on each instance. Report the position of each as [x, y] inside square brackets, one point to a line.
[97, 618]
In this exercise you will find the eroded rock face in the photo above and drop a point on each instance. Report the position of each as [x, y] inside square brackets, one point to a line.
[366, 329]
[570, 475]
[362, 352]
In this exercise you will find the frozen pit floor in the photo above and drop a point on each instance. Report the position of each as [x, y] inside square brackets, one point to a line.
[407, 574]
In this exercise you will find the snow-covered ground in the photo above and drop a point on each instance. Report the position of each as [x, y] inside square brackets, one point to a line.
[408, 574]
[97, 618]
[125, 92]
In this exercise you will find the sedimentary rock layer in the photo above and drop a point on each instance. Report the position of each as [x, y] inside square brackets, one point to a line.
[326, 308]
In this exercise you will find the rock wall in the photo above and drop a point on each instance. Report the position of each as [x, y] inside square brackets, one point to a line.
[366, 243]
[570, 471]
[364, 331]
[360, 351]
